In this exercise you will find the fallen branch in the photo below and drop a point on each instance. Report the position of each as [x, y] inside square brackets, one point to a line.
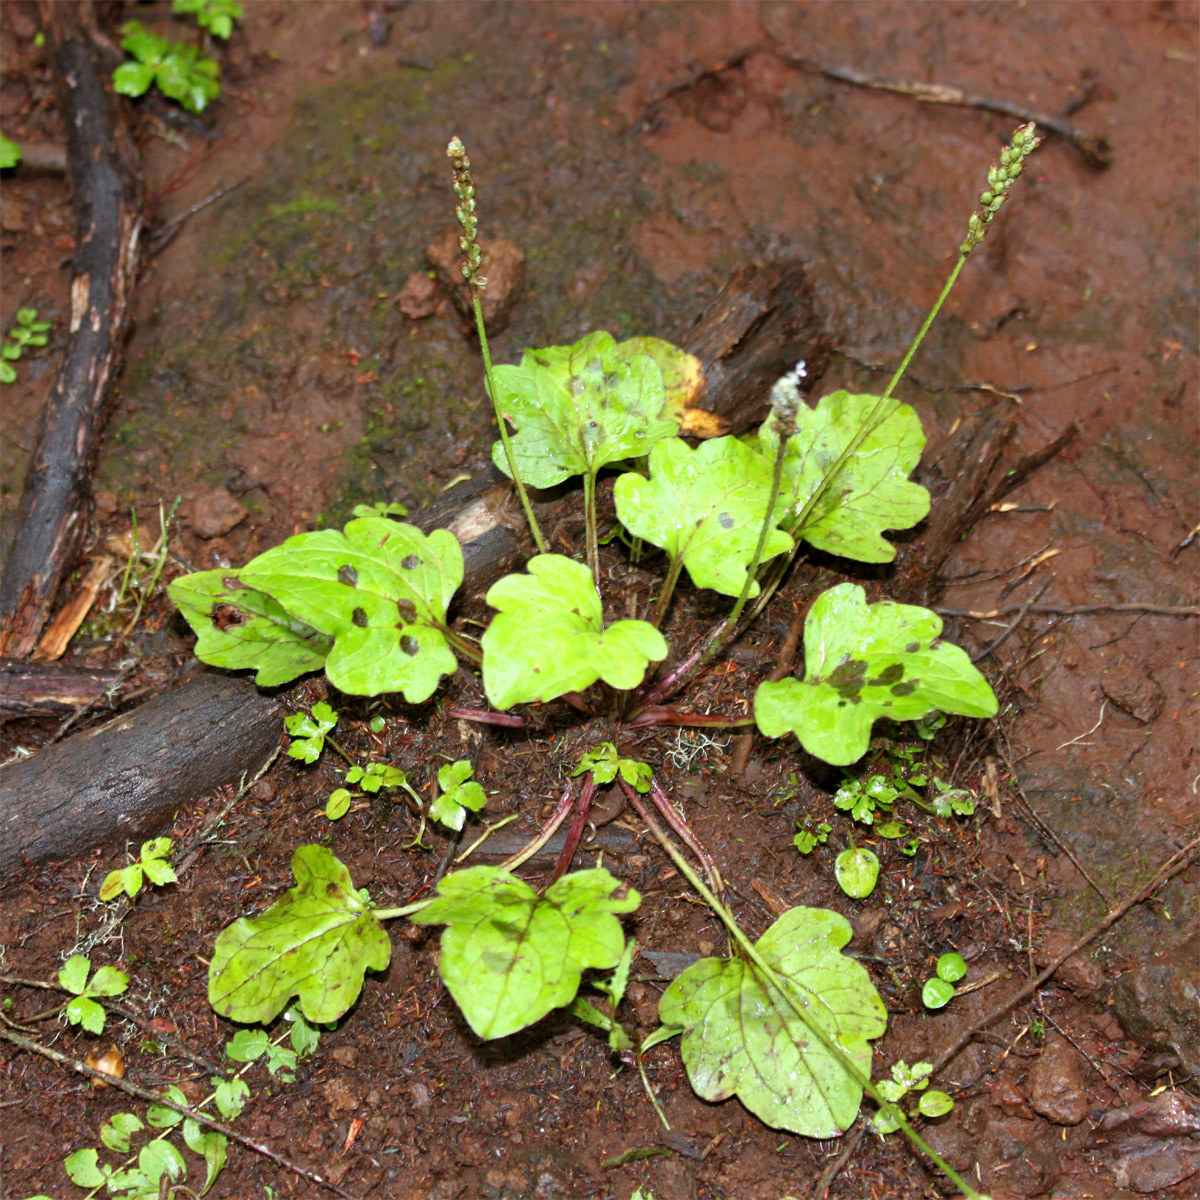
[56, 498]
[1072, 610]
[1096, 150]
[141, 1093]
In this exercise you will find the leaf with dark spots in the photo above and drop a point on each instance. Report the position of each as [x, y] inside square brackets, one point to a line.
[410, 562]
[410, 646]
[848, 678]
[359, 617]
[912, 647]
[348, 575]
[850, 647]
[407, 610]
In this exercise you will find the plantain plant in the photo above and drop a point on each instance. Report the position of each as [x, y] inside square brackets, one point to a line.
[370, 604]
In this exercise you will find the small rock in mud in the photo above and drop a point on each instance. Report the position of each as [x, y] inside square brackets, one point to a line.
[213, 511]
[503, 267]
[1006, 1096]
[420, 297]
[341, 1098]
[1159, 1004]
[1156, 1143]
[1135, 692]
[1055, 1085]
[1083, 975]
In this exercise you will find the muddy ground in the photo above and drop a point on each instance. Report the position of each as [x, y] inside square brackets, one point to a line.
[637, 154]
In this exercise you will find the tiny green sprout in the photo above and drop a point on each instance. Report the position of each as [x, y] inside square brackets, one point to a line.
[371, 779]
[153, 863]
[377, 724]
[27, 331]
[939, 991]
[309, 731]
[807, 840]
[10, 153]
[605, 765]
[217, 16]
[459, 792]
[248, 1045]
[906, 1079]
[381, 508]
[181, 71]
[107, 981]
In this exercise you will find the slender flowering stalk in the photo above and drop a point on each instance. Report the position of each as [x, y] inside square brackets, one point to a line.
[464, 189]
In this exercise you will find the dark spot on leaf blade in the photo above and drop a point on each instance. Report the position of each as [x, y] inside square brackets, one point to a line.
[725, 520]
[348, 575]
[889, 675]
[410, 646]
[359, 617]
[906, 688]
[410, 562]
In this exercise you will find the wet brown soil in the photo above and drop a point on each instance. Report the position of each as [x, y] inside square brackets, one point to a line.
[637, 154]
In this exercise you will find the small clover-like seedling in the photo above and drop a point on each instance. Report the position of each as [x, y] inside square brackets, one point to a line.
[381, 508]
[862, 798]
[509, 956]
[807, 840]
[458, 793]
[249, 1045]
[906, 1079]
[182, 71]
[605, 766]
[217, 16]
[153, 864]
[309, 730]
[865, 661]
[107, 981]
[856, 871]
[370, 779]
[939, 991]
[772, 1063]
[951, 801]
[549, 637]
[27, 331]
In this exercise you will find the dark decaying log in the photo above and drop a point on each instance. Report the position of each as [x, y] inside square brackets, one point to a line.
[128, 776]
[49, 689]
[57, 495]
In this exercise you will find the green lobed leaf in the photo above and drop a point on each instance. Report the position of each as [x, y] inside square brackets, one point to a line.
[704, 506]
[162, 1117]
[85, 1012]
[741, 1037]
[231, 1096]
[108, 981]
[159, 1158]
[549, 637]
[868, 492]
[240, 629]
[578, 408]
[863, 662]
[380, 590]
[316, 943]
[509, 956]
[83, 1168]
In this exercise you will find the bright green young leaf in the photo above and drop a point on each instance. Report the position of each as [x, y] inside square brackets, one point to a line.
[380, 590]
[247, 1045]
[338, 804]
[869, 492]
[83, 1168]
[316, 943]
[704, 506]
[162, 1117]
[937, 993]
[549, 637]
[118, 1129]
[578, 408]
[240, 629]
[951, 967]
[935, 1104]
[863, 662]
[605, 766]
[74, 973]
[459, 792]
[509, 955]
[231, 1096]
[856, 872]
[308, 730]
[159, 1158]
[304, 1036]
[86, 1012]
[741, 1037]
